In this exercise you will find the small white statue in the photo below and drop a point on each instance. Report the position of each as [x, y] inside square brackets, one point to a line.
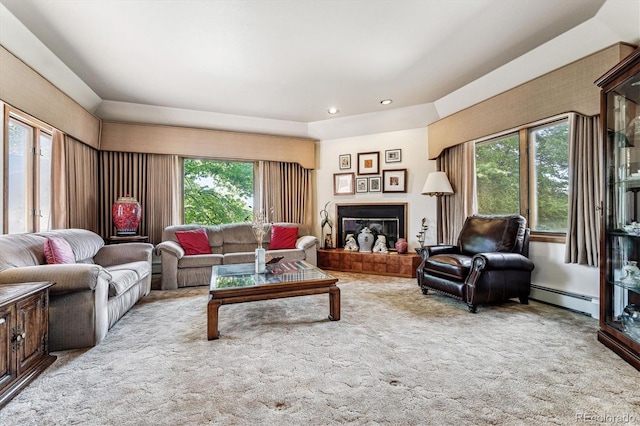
[381, 245]
[350, 243]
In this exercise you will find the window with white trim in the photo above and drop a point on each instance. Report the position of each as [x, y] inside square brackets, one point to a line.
[27, 164]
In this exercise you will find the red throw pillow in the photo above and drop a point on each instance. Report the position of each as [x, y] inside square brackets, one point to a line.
[57, 250]
[194, 242]
[283, 237]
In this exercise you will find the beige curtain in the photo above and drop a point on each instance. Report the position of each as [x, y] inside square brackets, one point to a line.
[164, 194]
[458, 162]
[585, 177]
[59, 213]
[283, 191]
[153, 179]
[74, 184]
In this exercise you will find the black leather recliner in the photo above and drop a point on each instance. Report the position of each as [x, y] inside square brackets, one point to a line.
[489, 264]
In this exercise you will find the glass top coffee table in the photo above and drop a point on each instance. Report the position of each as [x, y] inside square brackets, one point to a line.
[239, 283]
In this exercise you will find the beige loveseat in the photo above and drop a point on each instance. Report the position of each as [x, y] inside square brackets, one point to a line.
[90, 296]
[230, 244]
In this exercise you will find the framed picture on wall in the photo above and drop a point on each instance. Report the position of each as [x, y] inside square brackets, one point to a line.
[375, 184]
[345, 161]
[393, 156]
[368, 163]
[343, 183]
[394, 180]
[362, 184]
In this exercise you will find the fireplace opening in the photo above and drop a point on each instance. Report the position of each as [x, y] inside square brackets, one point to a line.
[382, 219]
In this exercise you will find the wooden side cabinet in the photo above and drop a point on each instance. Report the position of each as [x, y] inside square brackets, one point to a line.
[24, 334]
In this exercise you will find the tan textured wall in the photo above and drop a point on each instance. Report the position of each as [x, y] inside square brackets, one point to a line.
[217, 144]
[25, 89]
[570, 88]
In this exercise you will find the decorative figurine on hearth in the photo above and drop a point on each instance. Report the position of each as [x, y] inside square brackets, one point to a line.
[350, 243]
[381, 245]
[328, 236]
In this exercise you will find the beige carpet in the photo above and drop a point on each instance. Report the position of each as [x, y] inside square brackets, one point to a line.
[396, 357]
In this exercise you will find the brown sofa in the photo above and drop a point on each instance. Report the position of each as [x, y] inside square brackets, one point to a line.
[90, 296]
[230, 243]
[489, 264]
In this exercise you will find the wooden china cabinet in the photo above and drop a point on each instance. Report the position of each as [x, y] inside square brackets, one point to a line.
[620, 241]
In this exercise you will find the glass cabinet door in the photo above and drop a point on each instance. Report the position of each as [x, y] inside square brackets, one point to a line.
[622, 194]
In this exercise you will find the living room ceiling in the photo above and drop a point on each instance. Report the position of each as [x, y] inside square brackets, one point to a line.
[290, 60]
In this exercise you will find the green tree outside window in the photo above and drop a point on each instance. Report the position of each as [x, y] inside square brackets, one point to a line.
[217, 192]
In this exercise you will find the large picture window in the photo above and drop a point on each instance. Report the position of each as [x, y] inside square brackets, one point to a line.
[527, 172]
[28, 145]
[498, 175]
[217, 192]
[549, 177]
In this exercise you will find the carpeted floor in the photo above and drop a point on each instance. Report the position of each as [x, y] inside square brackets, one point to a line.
[396, 357]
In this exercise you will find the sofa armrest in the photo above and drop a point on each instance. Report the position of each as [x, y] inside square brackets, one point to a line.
[68, 277]
[170, 253]
[306, 242]
[309, 244]
[501, 261]
[117, 254]
[170, 248]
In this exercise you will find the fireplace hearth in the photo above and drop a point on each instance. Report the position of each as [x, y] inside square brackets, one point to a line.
[384, 218]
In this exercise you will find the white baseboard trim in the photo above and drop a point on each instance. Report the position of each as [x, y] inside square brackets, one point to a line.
[586, 305]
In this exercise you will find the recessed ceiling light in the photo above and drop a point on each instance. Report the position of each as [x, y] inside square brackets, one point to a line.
[386, 101]
[333, 110]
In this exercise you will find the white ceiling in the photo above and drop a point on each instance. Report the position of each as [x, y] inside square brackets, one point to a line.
[287, 61]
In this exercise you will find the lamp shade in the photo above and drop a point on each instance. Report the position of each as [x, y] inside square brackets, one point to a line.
[437, 184]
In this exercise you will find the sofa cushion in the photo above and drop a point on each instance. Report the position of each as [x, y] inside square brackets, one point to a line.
[57, 250]
[141, 268]
[121, 281]
[240, 257]
[19, 250]
[202, 260]
[213, 233]
[239, 238]
[283, 237]
[85, 244]
[194, 242]
[448, 265]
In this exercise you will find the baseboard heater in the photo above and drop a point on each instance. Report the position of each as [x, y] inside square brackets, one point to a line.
[586, 305]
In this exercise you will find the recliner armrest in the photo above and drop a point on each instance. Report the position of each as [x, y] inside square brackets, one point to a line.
[441, 249]
[501, 261]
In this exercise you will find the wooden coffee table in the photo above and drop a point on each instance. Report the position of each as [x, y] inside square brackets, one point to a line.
[239, 283]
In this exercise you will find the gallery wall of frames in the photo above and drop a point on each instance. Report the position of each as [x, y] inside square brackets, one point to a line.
[364, 173]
